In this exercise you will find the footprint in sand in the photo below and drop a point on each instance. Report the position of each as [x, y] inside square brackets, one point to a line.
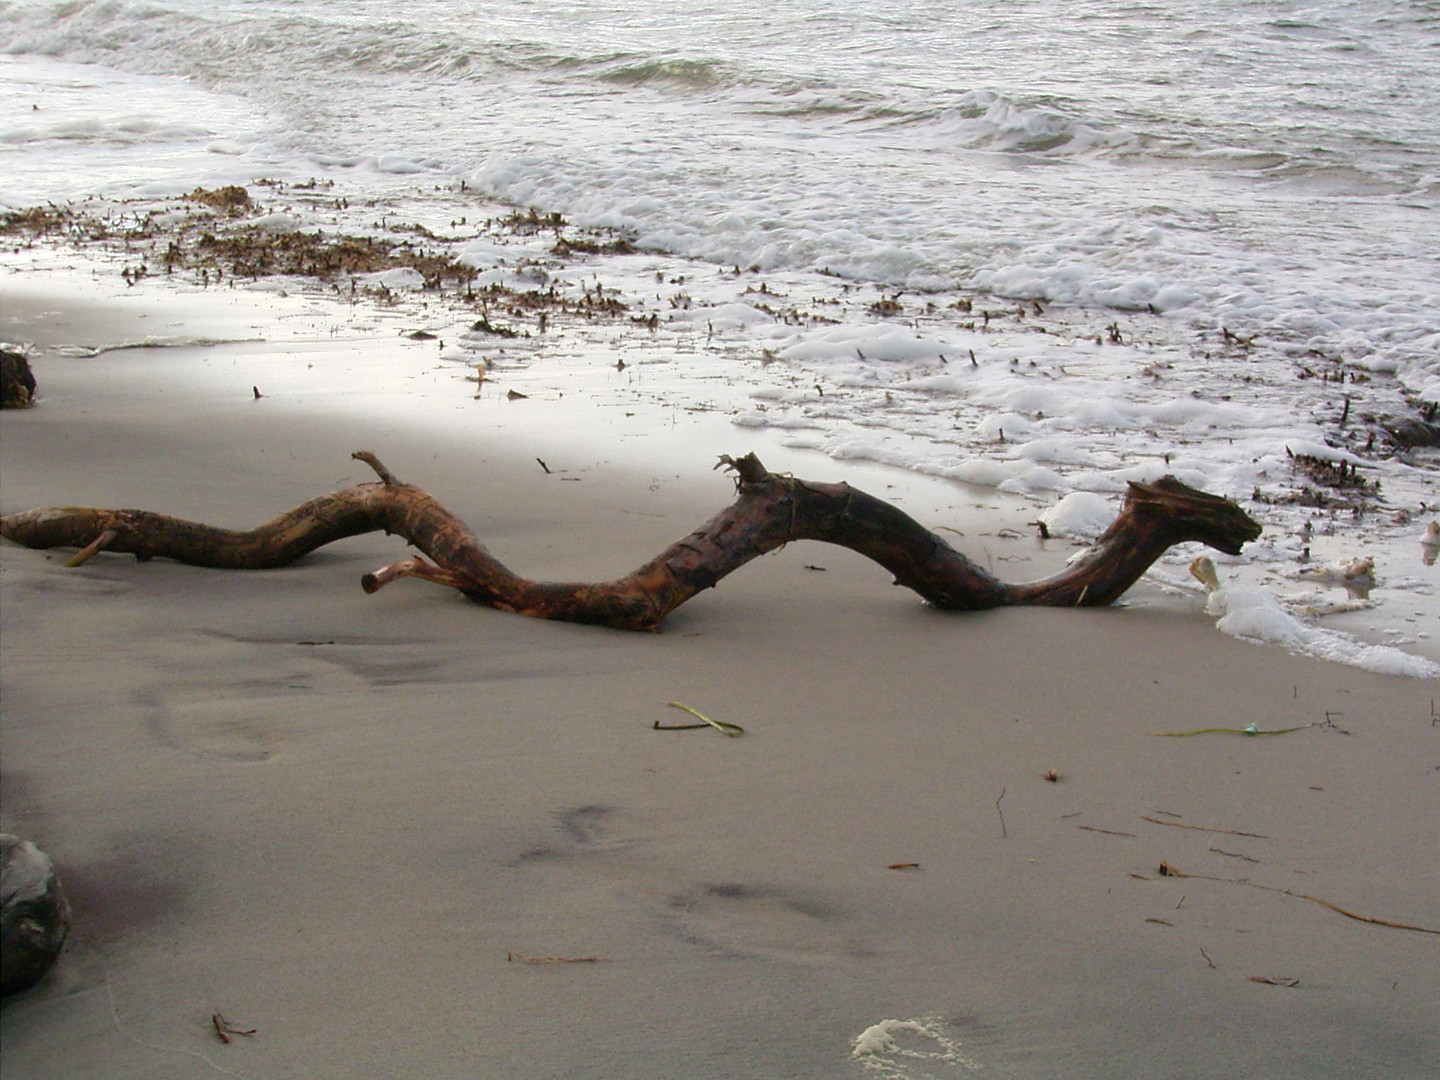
[229, 698]
[234, 740]
[586, 826]
[215, 729]
[728, 918]
[771, 921]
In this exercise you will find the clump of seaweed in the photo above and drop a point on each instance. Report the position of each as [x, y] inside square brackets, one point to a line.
[483, 325]
[564, 248]
[208, 245]
[527, 224]
[588, 242]
[37, 221]
[1335, 475]
[217, 233]
[253, 252]
[220, 233]
[524, 303]
[233, 199]
[1333, 484]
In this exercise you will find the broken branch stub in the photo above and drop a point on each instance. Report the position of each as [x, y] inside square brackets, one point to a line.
[770, 511]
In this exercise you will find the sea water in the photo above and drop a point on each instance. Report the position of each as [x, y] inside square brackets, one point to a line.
[1063, 246]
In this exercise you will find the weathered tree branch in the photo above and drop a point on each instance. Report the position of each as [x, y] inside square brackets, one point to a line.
[771, 511]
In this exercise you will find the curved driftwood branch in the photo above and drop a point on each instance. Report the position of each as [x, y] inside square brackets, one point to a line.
[771, 510]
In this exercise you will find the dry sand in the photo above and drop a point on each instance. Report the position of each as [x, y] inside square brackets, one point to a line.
[345, 821]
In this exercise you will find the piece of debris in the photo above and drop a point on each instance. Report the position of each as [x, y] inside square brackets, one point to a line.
[1356, 575]
[722, 726]
[1203, 571]
[225, 1029]
[1199, 828]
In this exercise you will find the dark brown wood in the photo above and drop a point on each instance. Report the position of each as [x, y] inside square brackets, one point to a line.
[770, 511]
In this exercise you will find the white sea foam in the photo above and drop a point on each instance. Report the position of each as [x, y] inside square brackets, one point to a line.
[1081, 514]
[1255, 614]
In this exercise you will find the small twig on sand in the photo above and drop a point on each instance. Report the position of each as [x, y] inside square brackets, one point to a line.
[1003, 833]
[1107, 832]
[1233, 855]
[1166, 870]
[515, 957]
[1350, 914]
[224, 1029]
[1213, 965]
[1203, 828]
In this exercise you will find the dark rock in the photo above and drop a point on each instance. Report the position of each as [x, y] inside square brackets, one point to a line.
[1411, 431]
[34, 914]
[17, 383]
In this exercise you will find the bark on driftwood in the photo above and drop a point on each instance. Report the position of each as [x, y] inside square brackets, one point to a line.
[771, 511]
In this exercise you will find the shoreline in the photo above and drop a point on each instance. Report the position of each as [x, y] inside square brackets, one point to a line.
[338, 819]
[592, 368]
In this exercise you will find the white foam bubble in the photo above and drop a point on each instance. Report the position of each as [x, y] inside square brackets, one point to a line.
[1080, 514]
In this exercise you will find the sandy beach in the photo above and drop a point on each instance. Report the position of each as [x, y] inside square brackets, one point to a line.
[401, 835]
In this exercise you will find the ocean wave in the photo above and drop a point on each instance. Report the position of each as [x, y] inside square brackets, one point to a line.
[986, 120]
[850, 162]
[686, 74]
[229, 52]
[123, 128]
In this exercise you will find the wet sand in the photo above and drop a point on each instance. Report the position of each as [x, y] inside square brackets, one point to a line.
[350, 822]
